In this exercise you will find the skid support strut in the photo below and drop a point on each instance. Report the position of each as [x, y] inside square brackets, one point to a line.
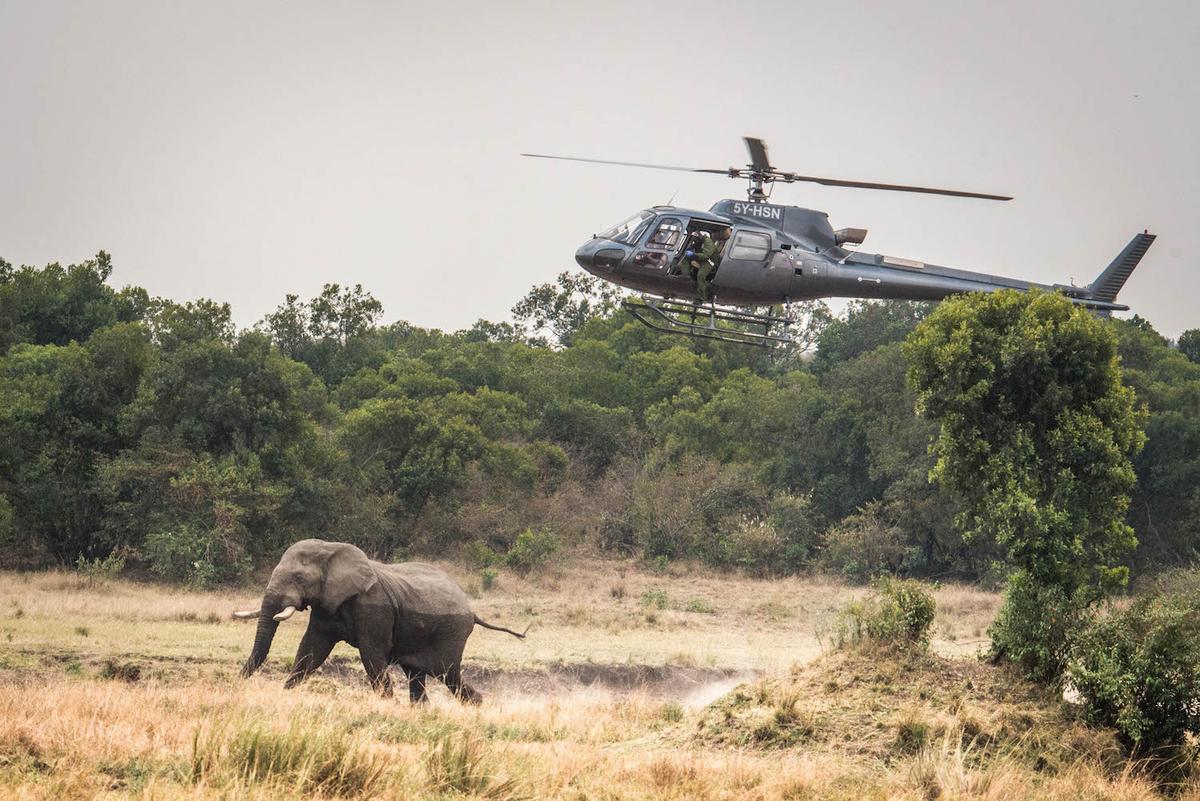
[707, 321]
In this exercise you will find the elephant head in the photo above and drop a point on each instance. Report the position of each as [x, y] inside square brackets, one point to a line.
[310, 573]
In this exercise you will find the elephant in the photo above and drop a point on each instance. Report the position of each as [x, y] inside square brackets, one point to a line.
[409, 614]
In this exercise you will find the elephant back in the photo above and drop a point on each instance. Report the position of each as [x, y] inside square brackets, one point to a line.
[425, 589]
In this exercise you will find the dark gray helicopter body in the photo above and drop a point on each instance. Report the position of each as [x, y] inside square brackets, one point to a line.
[796, 255]
[777, 254]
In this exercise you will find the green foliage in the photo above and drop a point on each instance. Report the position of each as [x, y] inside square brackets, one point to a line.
[563, 307]
[897, 612]
[59, 305]
[866, 326]
[1138, 671]
[8, 531]
[1037, 434]
[101, 571]
[1036, 626]
[863, 546]
[532, 549]
[1166, 503]
[1189, 344]
[597, 433]
[700, 606]
[487, 578]
[1037, 431]
[655, 598]
[157, 431]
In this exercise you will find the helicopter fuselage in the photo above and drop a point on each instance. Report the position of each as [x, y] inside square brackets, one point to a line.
[776, 254]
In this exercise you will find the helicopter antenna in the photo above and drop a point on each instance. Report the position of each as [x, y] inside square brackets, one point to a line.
[671, 200]
[762, 176]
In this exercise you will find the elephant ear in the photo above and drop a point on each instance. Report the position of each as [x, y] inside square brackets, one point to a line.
[347, 573]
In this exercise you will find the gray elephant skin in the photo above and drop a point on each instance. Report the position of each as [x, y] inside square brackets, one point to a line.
[410, 614]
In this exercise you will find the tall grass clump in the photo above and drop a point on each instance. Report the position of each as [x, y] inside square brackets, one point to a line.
[897, 612]
[460, 764]
[312, 755]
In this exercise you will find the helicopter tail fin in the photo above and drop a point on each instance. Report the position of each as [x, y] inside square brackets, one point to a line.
[1109, 283]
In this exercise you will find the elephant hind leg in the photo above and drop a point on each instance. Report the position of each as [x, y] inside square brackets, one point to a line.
[416, 685]
[463, 691]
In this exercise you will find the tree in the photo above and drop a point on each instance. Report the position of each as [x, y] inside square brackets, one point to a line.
[173, 325]
[1189, 344]
[341, 314]
[58, 305]
[59, 422]
[867, 325]
[1037, 434]
[563, 307]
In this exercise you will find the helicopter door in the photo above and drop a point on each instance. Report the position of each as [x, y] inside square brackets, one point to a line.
[745, 257]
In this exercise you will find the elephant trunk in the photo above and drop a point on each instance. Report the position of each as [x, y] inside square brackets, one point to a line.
[262, 638]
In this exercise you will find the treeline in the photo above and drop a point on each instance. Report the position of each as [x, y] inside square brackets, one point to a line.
[141, 431]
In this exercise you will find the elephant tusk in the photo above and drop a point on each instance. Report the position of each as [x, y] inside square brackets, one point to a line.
[286, 613]
[247, 614]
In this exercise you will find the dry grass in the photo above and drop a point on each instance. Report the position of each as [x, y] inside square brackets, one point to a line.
[147, 703]
[698, 617]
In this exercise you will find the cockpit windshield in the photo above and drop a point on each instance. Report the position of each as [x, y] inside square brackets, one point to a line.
[628, 232]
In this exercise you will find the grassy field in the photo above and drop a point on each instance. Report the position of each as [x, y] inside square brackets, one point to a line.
[632, 684]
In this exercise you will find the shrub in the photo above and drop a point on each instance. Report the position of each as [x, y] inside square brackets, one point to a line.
[796, 522]
[1035, 625]
[532, 549]
[863, 546]
[96, 572]
[898, 612]
[196, 555]
[1138, 671]
[755, 545]
[654, 597]
[700, 606]
[487, 578]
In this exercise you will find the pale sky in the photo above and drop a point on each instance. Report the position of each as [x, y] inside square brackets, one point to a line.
[244, 150]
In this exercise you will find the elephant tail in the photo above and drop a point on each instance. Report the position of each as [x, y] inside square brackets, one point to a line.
[481, 622]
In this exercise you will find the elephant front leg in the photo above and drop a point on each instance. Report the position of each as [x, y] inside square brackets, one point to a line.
[375, 663]
[313, 651]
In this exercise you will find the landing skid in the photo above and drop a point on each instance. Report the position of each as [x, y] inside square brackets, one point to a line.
[701, 321]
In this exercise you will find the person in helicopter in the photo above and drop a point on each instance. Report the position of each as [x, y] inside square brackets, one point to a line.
[705, 253]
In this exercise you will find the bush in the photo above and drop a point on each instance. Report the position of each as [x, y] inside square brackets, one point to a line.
[898, 612]
[655, 597]
[1035, 627]
[532, 549]
[864, 546]
[97, 572]
[1138, 671]
[755, 545]
[487, 578]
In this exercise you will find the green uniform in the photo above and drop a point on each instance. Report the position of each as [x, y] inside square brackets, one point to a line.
[704, 263]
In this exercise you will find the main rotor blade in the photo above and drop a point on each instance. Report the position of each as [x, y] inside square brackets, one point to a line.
[625, 163]
[924, 190]
[758, 153]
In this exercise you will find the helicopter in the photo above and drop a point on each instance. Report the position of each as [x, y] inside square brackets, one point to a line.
[771, 255]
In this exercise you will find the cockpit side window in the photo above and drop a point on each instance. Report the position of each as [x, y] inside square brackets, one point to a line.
[628, 232]
[750, 245]
[667, 235]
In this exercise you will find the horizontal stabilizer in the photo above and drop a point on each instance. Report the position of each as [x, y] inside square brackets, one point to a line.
[1109, 283]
